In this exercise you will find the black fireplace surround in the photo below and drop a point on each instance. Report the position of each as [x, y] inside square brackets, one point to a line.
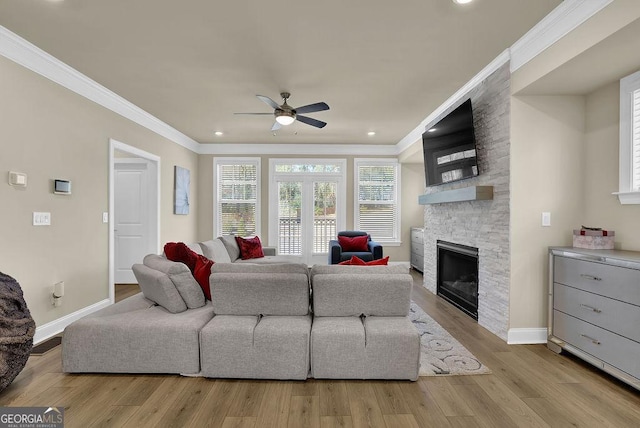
[458, 276]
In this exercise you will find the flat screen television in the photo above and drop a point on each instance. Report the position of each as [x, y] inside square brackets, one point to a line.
[449, 148]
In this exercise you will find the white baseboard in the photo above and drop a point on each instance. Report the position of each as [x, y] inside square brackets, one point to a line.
[52, 328]
[526, 336]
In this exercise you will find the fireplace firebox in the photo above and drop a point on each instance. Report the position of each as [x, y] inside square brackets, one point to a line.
[458, 276]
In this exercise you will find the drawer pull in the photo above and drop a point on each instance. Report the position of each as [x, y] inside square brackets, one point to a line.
[594, 341]
[591, 277]
[591, 308]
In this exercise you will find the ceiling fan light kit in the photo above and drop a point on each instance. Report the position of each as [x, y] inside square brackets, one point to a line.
[286, 115]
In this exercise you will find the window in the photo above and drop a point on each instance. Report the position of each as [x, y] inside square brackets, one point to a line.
[237, 196]
[377, 209]
[629, 191]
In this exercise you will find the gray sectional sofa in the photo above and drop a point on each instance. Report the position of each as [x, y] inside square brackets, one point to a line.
[263, 322]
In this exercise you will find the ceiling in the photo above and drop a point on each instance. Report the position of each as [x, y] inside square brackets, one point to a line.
[381, 66]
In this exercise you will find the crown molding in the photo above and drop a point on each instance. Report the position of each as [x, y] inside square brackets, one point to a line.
[417, 132]
[300, 149]
[561, 21]
[35, 59]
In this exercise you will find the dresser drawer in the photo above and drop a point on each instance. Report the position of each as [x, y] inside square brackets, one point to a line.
[611, 281]
[417, 262]
[417, 236]
[615, 350]
[417, 249]
[613, 315]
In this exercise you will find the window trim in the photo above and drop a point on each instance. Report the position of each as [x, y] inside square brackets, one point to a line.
[217, 162]
[628, 85]
[357, 162]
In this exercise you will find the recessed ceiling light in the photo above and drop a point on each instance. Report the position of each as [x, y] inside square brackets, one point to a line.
[219, 133]
[432, 130]
[462, 1]
[371, 133]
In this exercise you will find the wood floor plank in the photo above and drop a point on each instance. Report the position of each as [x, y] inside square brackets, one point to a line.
[334, 400]
[485, 410]
[336, 422]
[463, 422]
[275, 405]
[182, 409]
[304, 411]
[308, 388]
[216, 404]
[401, 421]
[239, 422]
[114, 416]
[422, 405]
[247, 399]
[446, 396]
[151, 412]
[389, 398]
[139, 390]
[365, 410]
[555, 415]
[512, 405]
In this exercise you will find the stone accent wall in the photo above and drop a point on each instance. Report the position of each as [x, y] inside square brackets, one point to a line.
[481, 224]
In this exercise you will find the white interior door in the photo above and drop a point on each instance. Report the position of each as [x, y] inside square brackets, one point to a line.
[133, 231]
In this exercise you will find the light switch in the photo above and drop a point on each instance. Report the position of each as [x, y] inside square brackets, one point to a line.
[546, 219]
[41, 219]
[105, 217]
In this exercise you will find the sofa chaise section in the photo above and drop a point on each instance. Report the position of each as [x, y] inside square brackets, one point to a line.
[262, 325]
[135, 336]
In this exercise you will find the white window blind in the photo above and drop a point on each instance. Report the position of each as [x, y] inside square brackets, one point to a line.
[237, 197]
[377, 205]
[629, 152]
[635, 156]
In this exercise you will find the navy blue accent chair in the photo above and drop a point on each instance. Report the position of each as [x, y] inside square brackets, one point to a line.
[336, 255]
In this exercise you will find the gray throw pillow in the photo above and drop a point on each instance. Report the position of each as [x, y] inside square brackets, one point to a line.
[181, 276]
[215, 250]
[231, 245]
[157, 287]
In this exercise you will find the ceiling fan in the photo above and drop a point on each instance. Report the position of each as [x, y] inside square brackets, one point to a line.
[286, 115]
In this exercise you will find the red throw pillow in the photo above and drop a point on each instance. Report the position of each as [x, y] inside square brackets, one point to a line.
[179, 252]
[250, 248]
[380, 262]
[356, 243]
[201, 273]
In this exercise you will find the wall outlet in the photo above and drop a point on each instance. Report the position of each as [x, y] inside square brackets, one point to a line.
[41, 219]
[546, 219]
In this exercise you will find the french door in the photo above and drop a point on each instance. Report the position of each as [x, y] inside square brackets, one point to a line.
[306, 209]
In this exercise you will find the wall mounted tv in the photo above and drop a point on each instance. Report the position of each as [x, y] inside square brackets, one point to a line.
[449, 148]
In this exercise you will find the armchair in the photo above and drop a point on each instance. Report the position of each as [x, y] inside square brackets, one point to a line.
[337, 254]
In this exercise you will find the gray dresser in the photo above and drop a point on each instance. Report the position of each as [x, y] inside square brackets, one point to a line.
[417, 248]
[594, 308]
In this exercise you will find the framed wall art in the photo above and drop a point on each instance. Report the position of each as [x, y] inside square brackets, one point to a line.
[181, 190]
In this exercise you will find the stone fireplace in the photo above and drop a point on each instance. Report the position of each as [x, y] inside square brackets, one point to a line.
[481, 224]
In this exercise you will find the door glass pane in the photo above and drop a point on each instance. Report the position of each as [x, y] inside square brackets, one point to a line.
[324, 215]
[289, 207]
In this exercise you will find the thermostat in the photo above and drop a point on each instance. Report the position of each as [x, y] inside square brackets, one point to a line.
[62, 187]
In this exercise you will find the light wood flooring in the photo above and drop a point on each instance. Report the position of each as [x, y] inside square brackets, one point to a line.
[530, 387]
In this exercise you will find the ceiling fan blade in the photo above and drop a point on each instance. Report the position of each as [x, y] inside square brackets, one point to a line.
[312, 108]
[312, 122]
[262, 114]
[268, 101]
[276, 126]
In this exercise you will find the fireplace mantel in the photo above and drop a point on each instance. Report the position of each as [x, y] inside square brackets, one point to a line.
[472, 193]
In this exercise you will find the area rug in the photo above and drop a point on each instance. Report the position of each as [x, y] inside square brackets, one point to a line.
[440, 353]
